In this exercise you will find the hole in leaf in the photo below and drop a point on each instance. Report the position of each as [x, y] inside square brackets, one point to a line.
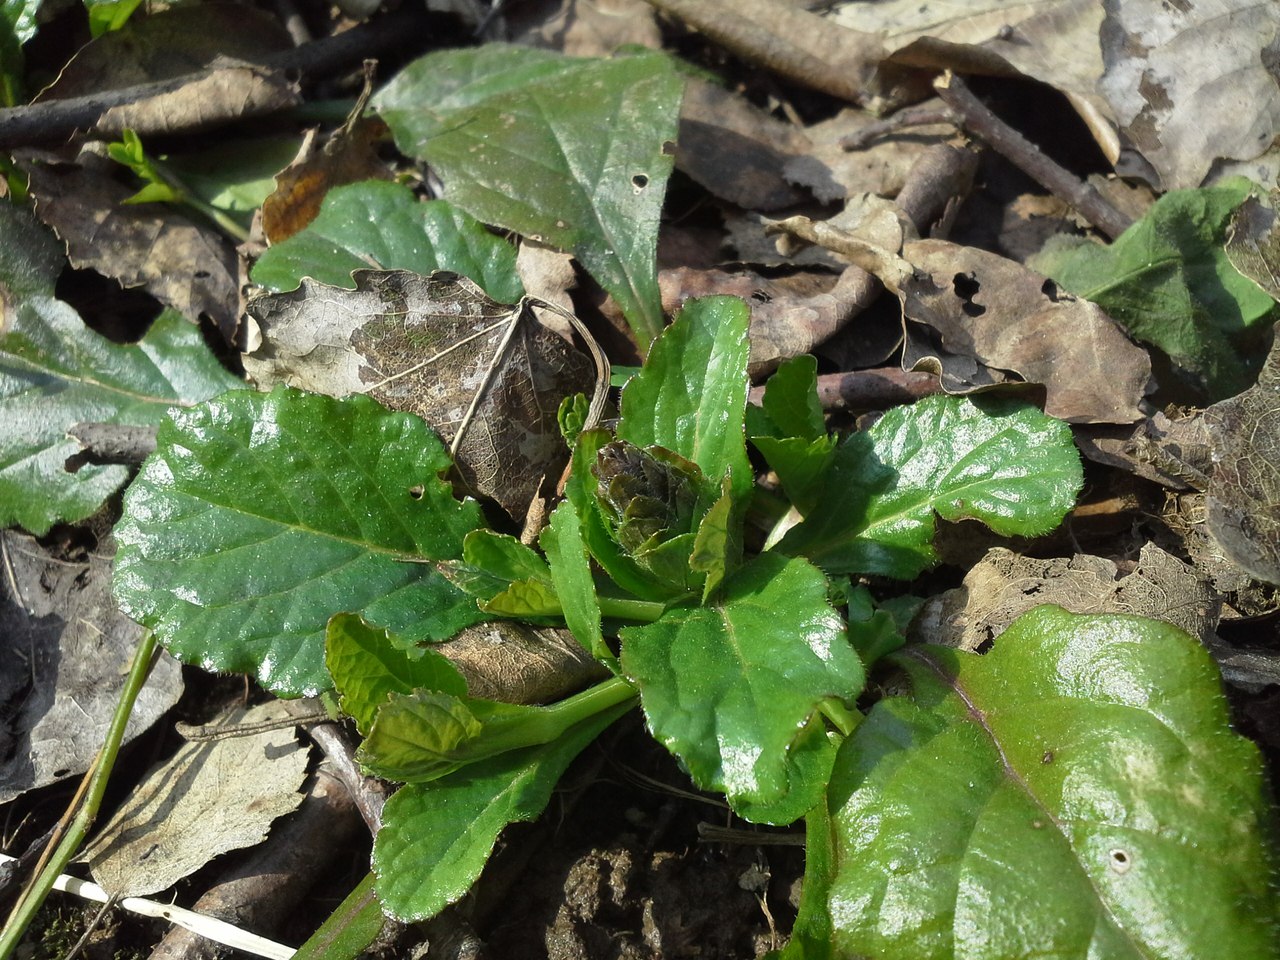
[1120, 860]
[966, 286]
[417, 490]
[639, 182]
[1048, 757]
[668, 148]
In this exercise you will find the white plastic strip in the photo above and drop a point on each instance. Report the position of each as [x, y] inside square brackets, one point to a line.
[209, 927]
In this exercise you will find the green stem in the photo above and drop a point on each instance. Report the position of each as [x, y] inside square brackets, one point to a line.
[33, 896]
[626, 608]
[546, 724]
[842, 718]
[218, 217]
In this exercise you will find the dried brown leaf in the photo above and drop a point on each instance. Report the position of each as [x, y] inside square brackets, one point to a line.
[64, 653]
[487, 376]
[1243, 498]
[976, 318]
[186, 265]
[1191, 84]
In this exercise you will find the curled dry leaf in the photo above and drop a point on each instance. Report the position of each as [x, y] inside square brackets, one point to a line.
[1253, 242]
[183, 264]
[487, 376]
[1191, 84]
[218, 45]
[975, 317]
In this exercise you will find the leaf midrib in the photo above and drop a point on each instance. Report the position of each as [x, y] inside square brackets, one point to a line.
[1014, 777]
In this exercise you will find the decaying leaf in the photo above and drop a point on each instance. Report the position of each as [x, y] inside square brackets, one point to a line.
[1191, 83]
[1054, 41]
[1243, 498]
[488, 376]
[219, 45]
[1005, 585]
[1253, 242]
[64, 652]
[184, 264]
[735, 150]
[211, 797]
[970, 316]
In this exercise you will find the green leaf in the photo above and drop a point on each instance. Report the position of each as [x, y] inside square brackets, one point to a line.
[791, 399]
[729, 687]
[717, 546]
[574, 585]
[436, 837]
[492, 562]
[1169, 281]
[55, 372]
[801, 466]
[580, 491]
[525, 599]
[367, 665]
[383, 223]
[418, 736]
[261, 515]
[17, 26]
[1075, 793]
[691, 394]
[348, 931]
[108, 15]
[235, 175]
[811, 933]
[574, 153]
[999, 461]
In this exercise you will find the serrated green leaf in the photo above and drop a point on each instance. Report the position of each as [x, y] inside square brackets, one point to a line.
[999, 461]
[1169, 281]
[367, 665]
[385, 224]
[691, 394]
[574, 153]
[729, 687]
[575, 587]
[1075, 793]
[55, 372]
[436, 837]
[262, 515]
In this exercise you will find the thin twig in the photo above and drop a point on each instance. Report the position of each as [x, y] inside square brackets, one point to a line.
[110, 443]
[1028, 158]
[922, 116]
[868, 389]
[369, 795]
[53, 121]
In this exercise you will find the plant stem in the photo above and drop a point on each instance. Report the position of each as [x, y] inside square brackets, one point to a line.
[95, 786]
[626, 608]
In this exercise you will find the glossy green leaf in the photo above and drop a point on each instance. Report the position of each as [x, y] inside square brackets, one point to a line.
[436, 837]
[574, 153]
[262, 515]
[791, 399]
[717, 546]
[349, 930]
[108, 15]
[999, 461]
[801, 466]
[571, 574]
[580, 491]
[1169, 281]
[691, 394]
[524, 599]
[367, 665]
[1075, 793]
[385, 224]
[491, 562]
[55, 372]
[729, 687]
